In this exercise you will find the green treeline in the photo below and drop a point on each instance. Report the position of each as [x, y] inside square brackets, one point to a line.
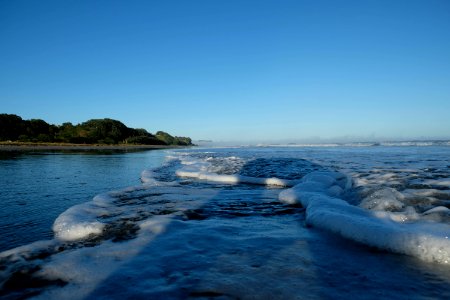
[96, 131]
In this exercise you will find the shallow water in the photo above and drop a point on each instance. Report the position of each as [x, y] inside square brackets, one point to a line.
[36, 187]
[285, 223]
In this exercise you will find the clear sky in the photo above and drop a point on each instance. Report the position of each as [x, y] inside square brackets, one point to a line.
[232, 70]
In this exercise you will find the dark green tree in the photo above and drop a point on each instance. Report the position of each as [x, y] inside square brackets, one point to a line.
[182, 141]
[11, 127]
[102, 131]
[144, 140]
[38, 130]
[165, 137]
[106, 131]
[66, 132]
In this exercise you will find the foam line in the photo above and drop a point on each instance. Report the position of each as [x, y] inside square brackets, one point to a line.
[234, 179]
[324, 209]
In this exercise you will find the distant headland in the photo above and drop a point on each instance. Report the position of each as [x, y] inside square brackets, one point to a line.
[99, 132]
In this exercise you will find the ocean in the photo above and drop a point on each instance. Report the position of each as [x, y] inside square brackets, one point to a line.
[267, 222]
[36, 187]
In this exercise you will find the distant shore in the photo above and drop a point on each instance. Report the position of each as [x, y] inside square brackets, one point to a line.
[14, 146]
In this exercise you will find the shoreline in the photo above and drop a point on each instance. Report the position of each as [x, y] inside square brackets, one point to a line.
[80, 147]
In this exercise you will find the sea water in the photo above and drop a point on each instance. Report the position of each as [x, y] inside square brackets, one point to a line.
[252, 223]
[36, 187]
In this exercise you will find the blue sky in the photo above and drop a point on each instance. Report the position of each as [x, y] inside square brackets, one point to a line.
[232, 70]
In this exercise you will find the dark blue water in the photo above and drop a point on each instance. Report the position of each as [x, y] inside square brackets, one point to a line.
[36, 187]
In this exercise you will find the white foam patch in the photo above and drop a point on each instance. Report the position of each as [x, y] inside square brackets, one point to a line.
[201, 169]
[148, 177]
[85, 268]
[79, 222]
[27, 251]
[438, 182]
[234, 179]
[427, 193]
[426, 240]
[383, 199]
[82, 221]
[437, 209]
[437, 214]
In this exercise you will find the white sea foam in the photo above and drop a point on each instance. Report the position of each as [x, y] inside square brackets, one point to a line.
[79, 221]
[203, 169]
[437, 209]
[384, 230]
[148, 177]
[198, 241]
[385, 199]
[82, 221]
[438, 182]
[85, 268]
[383, 219]
[234, 179]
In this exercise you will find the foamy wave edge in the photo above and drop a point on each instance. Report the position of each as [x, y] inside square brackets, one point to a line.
[233, 179]
[199, 169]
[319, 193]
[81, 221]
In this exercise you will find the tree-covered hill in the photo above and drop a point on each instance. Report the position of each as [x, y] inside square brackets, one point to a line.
[96, 131]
